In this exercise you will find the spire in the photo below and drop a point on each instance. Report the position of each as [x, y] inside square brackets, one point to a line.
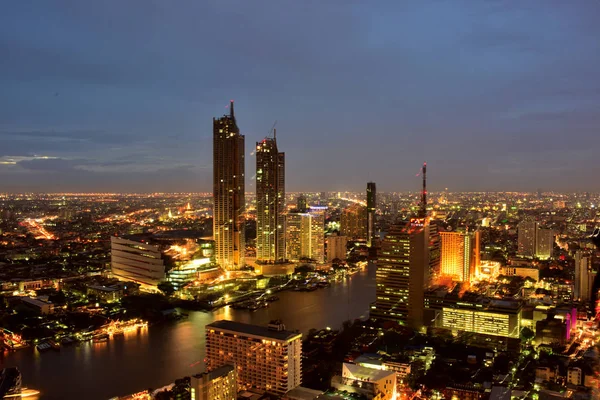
[275, 134]
[231, 109]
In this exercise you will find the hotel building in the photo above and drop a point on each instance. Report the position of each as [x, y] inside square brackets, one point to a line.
[266, 358]
[136, 261]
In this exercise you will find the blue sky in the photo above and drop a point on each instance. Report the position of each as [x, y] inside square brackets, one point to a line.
[120, 95]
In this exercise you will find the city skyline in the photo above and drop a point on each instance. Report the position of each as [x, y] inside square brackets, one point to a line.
[97, 112]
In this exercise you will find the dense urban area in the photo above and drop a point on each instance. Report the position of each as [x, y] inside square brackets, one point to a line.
[506, 307]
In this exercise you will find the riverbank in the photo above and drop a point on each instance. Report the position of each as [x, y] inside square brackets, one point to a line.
[164, 352]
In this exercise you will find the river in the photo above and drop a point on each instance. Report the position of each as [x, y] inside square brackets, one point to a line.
[162, 353]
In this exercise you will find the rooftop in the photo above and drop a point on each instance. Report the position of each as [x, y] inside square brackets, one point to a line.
[366, 374]
[254, 330]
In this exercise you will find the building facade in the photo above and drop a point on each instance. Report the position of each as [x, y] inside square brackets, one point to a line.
[371, 212]
[535, 241]
[266, 358]
[270, 201]
[336, 247]
[228, 192]
[408, 261]
[584, 276]
[460, 254]
[353, 222]
[305, 235]
[136, 261]
[219, 384]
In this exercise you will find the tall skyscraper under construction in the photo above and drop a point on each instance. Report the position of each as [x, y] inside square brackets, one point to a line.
[228, 192]
[270, 201]
[408, 261]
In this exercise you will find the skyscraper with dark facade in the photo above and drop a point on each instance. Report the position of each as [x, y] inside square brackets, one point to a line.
[270, 201]
[371, 209]
[228, 192]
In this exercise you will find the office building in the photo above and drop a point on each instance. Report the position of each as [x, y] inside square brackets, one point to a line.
[472, 313]
[460, 254]
[371, 212]
[409, 259]
[353, 222]
[218, 384]
[265, 358]
[336, 247]
[228, 192]
[270, 201]
[584, 276]
[135, 261]
[305, 235]
[535, 241]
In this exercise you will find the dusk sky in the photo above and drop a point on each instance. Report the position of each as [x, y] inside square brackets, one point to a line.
[120, 95]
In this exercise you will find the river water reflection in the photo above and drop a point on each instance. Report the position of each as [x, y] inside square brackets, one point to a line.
[162, 353]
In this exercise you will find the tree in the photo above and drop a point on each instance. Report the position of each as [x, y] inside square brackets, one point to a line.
[527, 334]
[166, 287]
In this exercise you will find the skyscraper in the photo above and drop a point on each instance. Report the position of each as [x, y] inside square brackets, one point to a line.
[270, 201]
[371, 210]
[460, 254]
[408, 262]
[408, 258]
[228, 192]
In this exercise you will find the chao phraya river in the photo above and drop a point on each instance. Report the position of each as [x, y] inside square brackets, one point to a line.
[162, 353]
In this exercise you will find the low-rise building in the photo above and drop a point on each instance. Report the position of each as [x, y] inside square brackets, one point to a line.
[372, 383]
[40, 306]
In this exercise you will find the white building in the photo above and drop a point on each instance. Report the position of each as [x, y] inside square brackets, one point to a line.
[266, 358]
[373, 383]
[136, 261]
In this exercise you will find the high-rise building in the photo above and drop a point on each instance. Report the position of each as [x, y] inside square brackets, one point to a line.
[371, 212]
[460, 254]
[408, 261]
[266, 358]
[270, 201]
[138, 262]
[228, 192]
[535, 241]
[305, 235]
[336, 247]
[353, 222]
[301, 203]
[526, 238]
[584, 276]
[544, 243]
[218, 384]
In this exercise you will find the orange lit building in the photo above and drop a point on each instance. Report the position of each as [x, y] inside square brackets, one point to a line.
[460, 254]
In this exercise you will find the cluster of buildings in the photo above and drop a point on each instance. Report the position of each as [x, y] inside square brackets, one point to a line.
[281, 235]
